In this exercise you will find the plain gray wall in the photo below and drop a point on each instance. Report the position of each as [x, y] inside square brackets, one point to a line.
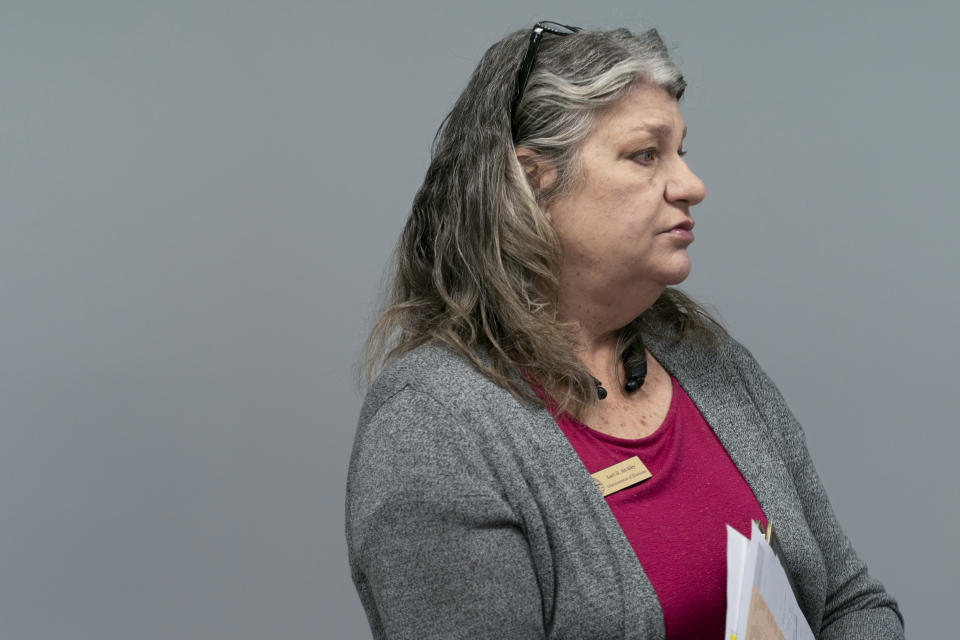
[197, 201]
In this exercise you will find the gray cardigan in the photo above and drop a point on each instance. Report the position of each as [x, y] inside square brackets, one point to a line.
[469, 515]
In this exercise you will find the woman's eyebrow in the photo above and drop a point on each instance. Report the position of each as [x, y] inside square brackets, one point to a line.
[658, 130]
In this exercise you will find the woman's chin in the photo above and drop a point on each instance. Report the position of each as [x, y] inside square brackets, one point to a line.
[678, 273]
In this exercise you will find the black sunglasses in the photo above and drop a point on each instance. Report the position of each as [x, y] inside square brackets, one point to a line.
[523, 74]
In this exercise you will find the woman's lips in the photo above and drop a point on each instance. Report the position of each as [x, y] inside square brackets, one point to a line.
[683, 231]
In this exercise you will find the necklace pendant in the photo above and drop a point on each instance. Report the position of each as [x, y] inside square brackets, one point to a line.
[635, 369]
[601, 392]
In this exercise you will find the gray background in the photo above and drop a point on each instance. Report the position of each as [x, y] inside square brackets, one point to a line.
[197, 201]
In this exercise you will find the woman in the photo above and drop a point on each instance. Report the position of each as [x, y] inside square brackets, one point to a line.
[532, 340]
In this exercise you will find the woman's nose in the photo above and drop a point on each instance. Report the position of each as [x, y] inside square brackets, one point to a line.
[686, 186]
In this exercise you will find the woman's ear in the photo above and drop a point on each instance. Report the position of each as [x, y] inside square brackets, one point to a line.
[539, 177]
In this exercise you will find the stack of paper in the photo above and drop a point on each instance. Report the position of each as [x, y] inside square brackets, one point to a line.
[761, 602]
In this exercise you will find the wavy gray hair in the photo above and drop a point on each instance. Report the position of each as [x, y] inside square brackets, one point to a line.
[476, 264]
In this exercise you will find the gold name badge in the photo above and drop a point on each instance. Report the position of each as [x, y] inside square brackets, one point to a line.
[620, 476]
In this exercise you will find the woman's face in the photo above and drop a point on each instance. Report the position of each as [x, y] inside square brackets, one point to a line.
[626, 221]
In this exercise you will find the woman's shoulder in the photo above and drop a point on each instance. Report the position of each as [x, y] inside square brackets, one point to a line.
[716, 368]
[435, 395]
[702, 352]
[431, 419]
[434, 370]
[725, 374]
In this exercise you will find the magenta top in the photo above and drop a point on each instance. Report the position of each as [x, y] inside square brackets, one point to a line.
[676, 520]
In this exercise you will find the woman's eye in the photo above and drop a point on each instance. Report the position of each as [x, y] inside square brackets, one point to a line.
[647, 156]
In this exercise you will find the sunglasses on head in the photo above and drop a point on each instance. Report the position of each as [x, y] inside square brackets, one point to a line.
[523, 73]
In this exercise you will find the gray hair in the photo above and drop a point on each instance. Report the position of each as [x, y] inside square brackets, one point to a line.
[476, 264]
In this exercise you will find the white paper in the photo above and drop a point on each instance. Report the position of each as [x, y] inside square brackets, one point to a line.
[752, 563]
[748, 572]
[736, 556]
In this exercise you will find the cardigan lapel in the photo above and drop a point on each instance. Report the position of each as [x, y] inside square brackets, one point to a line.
[724, 402]
[722, 394]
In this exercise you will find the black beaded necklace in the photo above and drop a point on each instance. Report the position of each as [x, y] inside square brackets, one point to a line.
[635, 366]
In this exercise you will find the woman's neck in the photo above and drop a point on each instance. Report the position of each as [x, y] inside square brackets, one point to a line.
[597, 326]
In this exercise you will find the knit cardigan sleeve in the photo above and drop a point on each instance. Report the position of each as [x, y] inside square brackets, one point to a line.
[436, 551]
[857, 607]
